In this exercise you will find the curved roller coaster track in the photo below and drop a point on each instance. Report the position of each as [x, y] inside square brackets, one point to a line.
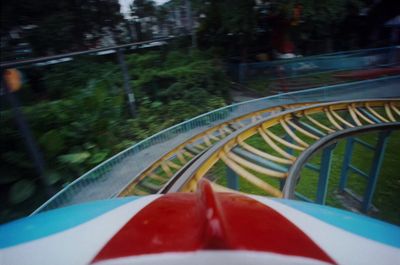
[301, 128]
[289, 128]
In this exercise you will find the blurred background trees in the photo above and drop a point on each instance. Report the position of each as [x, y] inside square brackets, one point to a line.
[237, 27]
[59, 26]
[143, 13]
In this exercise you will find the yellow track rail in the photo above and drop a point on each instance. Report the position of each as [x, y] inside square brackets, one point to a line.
[303, 126]
[154, 177]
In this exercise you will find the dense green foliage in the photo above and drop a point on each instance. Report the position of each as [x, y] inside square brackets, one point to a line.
[232, 32]
[84, 120]
[191, 79]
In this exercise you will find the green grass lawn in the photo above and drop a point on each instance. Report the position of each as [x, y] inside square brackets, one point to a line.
[386, 197]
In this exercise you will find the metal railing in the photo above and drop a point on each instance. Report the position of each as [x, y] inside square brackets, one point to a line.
[300, 66]
[326, 144]
[98, 51]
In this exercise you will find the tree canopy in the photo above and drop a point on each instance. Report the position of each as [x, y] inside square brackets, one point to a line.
[62, 25]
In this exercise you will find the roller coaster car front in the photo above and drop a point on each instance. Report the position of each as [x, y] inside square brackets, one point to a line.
[198, 228]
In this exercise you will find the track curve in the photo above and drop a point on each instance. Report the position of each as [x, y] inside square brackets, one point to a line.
[304, 125]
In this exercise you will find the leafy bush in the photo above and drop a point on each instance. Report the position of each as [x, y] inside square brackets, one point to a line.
[179, 76]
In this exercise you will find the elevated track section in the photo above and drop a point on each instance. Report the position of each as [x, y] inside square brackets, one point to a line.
[303, 130]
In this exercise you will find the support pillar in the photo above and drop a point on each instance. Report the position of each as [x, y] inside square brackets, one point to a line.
[346, 162]
[232, 179]
[127, 86]
[325, 168]
[375, 170]
[30, 143]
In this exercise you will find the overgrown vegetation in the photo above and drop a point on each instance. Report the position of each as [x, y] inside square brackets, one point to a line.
[81, 118]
